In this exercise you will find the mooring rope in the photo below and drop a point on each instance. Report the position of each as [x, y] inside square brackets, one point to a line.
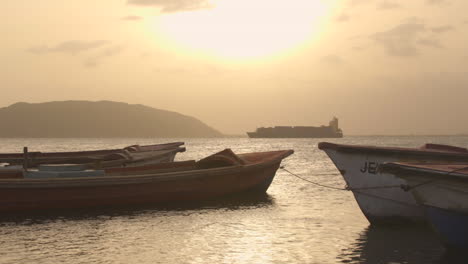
[377, 187]
[315, 183]
[405, 187]
[346, 188]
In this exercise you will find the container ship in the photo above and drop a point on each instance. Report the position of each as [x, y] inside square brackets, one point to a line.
[330, 131]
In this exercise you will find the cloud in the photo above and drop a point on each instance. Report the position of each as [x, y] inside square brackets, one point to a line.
[442, 29]
[436, 2]
[196, 69]
[97, 59]
[359, 48]
[172, 6]
[71, 47]
[343, 17]
[406, 39]
[132, 18]
[401, 40]
[387, 5]
[431, 42]
[332, 59]
[354, 3]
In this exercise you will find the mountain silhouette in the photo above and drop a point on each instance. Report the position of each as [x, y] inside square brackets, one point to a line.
[97, 119]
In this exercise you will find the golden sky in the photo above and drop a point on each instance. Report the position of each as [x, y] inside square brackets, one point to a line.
[381, 66]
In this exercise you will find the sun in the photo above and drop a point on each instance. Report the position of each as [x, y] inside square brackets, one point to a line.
[242, 29]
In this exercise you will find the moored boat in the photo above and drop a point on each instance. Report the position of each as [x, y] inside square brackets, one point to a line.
[442, 190]
[221, 174]
[166, 153]
[378, 194]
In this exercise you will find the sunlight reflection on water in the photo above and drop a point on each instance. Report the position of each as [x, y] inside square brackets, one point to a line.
[295, 222]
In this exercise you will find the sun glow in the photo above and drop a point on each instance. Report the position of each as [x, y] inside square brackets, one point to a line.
[241, 29]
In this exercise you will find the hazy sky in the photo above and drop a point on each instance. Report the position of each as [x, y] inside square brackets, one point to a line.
[381, 66]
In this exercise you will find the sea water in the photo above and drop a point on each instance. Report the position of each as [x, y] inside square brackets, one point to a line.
[295, 222]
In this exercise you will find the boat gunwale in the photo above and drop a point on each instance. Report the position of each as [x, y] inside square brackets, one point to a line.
[397, 167]
[388, 150]
[38, 154]
[91, 160]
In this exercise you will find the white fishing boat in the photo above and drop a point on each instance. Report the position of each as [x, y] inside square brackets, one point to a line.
[442, 190]
[379, 194]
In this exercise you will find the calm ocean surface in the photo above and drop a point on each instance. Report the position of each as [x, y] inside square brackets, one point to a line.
[296, 222]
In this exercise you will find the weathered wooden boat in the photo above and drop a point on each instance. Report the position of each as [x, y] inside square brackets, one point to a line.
[136, 159]
[378, 194]
[442, 190]
[223, 173]
[166, 152]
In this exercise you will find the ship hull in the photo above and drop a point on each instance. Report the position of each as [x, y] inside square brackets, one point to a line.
[257, 135]
[330, 131]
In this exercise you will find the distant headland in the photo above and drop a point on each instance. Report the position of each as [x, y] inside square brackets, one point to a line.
[67, 119]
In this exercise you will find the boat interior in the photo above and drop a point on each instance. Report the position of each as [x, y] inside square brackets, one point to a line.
[224, 158]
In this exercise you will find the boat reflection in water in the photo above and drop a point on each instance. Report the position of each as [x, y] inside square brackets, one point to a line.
[247, 201]
[398, 244]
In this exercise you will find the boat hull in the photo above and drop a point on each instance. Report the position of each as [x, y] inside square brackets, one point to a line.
[35, 159]
[451, 226]
[379, 205]
[187, 186]
[444, 198]
[166, 156]
[359, 166]
[258, 135]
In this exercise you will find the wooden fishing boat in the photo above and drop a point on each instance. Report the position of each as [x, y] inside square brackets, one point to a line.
[223, 173]
[136, 159]
[167, 152]
[442, 190]
[378, 194]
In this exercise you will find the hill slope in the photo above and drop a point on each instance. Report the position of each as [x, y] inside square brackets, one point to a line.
[97, 119]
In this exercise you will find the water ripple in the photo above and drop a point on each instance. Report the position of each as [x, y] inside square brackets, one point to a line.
[296, 222]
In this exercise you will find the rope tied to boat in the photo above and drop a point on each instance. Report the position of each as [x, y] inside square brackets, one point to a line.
[346, 188]
[404, 187]
[315, 183]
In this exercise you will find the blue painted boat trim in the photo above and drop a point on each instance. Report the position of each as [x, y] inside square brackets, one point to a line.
[450, 225]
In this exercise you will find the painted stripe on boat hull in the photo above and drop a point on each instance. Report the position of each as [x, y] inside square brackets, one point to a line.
[451, 226]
